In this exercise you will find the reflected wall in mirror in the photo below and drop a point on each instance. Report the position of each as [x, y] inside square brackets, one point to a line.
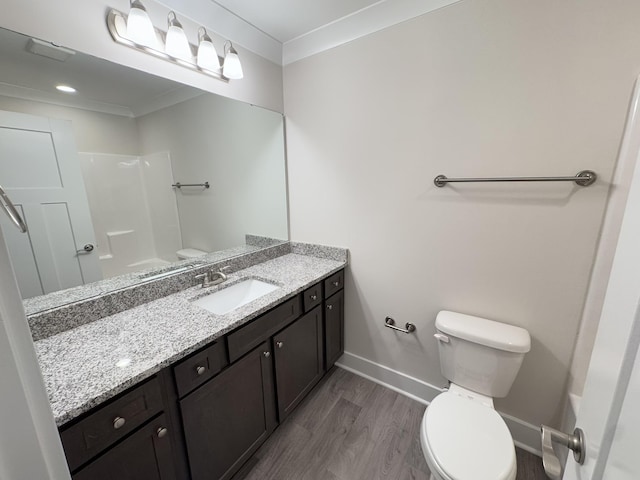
[92, 171]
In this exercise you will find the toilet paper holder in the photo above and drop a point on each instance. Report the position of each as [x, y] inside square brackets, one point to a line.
[574, 442]
[391, 323]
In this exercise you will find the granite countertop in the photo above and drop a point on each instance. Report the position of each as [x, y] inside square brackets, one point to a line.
[92, 363]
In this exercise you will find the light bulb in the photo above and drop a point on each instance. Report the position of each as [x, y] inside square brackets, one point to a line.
[232, 68]
[177, 45]
[207, 58]
[139, 27]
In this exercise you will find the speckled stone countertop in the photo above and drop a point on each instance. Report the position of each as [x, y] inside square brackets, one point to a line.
[87, 365]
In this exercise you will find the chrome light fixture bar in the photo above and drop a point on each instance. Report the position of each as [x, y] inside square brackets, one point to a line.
[117, 25]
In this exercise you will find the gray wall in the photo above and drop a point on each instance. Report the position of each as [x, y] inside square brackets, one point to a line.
[239, 150]
[94, 131]
[480, 88]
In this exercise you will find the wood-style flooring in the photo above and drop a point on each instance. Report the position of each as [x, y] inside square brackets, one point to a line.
[349, 428]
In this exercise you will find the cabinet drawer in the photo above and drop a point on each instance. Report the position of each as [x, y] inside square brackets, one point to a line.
[146, 454]
[200, 367]
[312, 296]
[334, 283]
[253, 334]
[110, 423]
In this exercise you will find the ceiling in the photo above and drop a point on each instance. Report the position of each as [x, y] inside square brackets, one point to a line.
[285, 20]
[285, 31]
[102, 86]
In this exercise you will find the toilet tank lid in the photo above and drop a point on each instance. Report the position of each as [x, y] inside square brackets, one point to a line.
[484, 332]
[190, 252]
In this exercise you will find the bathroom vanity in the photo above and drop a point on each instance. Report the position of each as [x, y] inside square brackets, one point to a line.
[168, 390]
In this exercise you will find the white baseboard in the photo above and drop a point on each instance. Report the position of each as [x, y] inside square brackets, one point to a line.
[525, 435]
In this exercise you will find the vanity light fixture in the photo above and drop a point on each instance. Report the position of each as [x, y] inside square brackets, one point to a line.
[139, 27]
[177, 48]
[207, 58]
[232, 68]
[66, 89]
[176, 44]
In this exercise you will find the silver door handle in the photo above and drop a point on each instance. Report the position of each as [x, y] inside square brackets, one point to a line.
[88, 248]
[574, 442]
[11, 211]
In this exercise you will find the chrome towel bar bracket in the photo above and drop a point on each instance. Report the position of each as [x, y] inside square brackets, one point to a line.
[583, 178]
[391, 323]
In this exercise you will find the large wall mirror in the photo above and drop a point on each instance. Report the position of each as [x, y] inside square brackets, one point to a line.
[93, 172]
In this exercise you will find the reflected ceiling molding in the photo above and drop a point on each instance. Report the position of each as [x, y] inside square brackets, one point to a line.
[163, 44]
[33, 95]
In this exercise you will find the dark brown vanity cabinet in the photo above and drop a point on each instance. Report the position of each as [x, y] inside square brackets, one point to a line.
[229, 417]
[298, 358]
[147, 454]
[203, 417]
[334, 318]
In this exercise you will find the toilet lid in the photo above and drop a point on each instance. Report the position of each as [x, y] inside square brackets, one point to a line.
[468, 440]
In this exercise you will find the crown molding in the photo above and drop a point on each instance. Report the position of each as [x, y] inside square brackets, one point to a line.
[229, 26]
[378, 16]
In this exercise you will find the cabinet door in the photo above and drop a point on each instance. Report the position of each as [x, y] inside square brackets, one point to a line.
[334, 328]
[228, 418]
[298, 359]
[144, 455]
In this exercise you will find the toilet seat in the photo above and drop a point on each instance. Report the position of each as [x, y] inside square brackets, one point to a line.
[466, 440]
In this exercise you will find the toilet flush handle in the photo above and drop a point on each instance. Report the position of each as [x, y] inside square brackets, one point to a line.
[441, 337]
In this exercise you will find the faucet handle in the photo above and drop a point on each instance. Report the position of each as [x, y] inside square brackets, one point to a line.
[205, 277]
[225, 269]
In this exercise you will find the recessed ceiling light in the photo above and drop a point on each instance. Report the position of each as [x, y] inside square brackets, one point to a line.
[66, 88]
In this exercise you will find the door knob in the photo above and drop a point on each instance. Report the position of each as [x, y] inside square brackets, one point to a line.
[574, 442]
[88, 248]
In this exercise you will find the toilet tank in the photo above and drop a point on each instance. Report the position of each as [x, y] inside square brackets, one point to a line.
[480, 354]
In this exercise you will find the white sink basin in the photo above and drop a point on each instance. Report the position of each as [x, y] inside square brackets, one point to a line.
[230, 298]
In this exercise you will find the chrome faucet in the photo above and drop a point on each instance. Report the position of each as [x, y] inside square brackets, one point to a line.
[220, 276]
[210, 277]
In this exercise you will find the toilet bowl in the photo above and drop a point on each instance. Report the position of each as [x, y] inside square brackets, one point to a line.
[189, 253]
[461, 434]
[467, 440]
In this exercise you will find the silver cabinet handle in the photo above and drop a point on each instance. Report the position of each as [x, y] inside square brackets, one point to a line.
[266, 354]
[336, 284]
[11, 211]
[161, 432]
[118, 422]
[200, 370]
[313, 297]
[329, 307]
[279, 344]
[88, 248]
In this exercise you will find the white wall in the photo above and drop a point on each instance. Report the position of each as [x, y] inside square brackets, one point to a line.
[480, 88]
[239, 150]
[30, 446]
[94, 131]
[81, 25]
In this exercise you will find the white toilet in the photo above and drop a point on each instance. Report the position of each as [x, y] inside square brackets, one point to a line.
[462, 436]
[189, 253]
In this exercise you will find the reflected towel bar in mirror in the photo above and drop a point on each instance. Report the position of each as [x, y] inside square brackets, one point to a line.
[583, 178]
[180, 185]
